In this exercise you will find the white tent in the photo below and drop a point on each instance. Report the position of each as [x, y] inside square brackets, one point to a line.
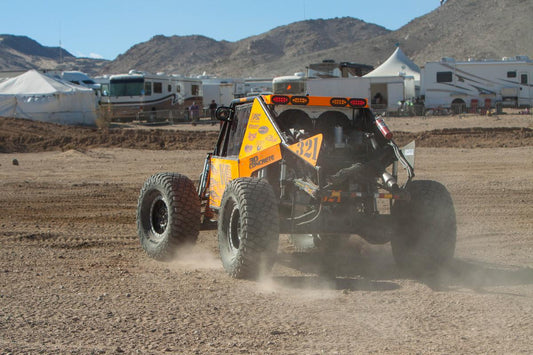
[38, 97]
[398, 64]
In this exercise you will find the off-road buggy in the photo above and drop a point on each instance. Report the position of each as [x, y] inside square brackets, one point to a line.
[314, 168]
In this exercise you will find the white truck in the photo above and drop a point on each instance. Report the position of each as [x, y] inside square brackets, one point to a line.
[474, 83]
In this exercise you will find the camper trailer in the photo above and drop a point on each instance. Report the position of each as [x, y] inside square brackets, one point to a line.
[223, 91]
[472, 83]
[150, 97]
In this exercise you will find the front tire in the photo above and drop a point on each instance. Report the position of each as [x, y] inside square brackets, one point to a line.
[168, 214]
[426, 229]
[248, 228]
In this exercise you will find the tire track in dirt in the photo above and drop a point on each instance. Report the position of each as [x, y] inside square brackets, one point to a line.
[63, 241]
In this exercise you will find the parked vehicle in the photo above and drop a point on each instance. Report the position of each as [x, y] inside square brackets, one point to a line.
[223, 91]
[151, 97]
[472, 84]
[79, 78]
[308, 166]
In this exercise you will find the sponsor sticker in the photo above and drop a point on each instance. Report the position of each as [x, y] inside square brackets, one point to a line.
[256, 162]
[251, 136]
[263, 130]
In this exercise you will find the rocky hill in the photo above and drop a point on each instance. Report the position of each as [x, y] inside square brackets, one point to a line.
[22, 53]
[460, 28]
[265, 54]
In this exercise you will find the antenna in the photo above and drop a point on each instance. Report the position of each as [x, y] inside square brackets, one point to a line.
[60, 48]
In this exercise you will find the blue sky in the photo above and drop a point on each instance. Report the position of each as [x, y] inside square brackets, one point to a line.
[105, 29]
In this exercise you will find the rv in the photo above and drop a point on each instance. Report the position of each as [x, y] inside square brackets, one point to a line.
[451, 83]
[151, 97]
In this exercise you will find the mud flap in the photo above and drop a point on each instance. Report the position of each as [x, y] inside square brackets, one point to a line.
[408, 152]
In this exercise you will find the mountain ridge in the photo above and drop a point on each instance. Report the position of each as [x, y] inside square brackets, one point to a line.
[482, 29]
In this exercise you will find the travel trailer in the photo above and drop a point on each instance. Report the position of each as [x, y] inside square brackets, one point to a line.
[472, 83]
[150, 97]
[223, 91]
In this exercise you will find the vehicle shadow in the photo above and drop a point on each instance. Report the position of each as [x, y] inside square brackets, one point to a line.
[477, 276]
[348, 268]
[334, 283]
[360, 266]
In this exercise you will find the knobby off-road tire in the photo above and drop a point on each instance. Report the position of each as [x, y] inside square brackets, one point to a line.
[425, 228]
[168, 214]
[248, 228]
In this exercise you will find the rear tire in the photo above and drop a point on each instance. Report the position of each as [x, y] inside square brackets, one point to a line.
[426, 229]
[248, 228]
[168, 214]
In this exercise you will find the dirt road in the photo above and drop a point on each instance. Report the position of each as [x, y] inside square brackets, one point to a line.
[73, 278]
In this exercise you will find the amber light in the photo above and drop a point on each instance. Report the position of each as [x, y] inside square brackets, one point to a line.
[339, 101]
[281, 100]
[299, 100]
[358, 102]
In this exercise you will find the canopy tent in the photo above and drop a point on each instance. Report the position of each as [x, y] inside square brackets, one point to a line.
[38, 97]
[398, 64]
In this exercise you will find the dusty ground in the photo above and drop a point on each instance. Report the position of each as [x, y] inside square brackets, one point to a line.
[73, 278]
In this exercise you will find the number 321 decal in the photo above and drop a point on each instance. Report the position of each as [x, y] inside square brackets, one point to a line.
[308, 149]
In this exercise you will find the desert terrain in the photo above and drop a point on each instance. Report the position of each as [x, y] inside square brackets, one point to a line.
[74, 279]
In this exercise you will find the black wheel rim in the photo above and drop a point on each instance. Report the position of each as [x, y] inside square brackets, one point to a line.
[159, 216]
[234, 229]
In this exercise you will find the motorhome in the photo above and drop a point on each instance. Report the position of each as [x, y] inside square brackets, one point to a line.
[477, 83]
[151, 97]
